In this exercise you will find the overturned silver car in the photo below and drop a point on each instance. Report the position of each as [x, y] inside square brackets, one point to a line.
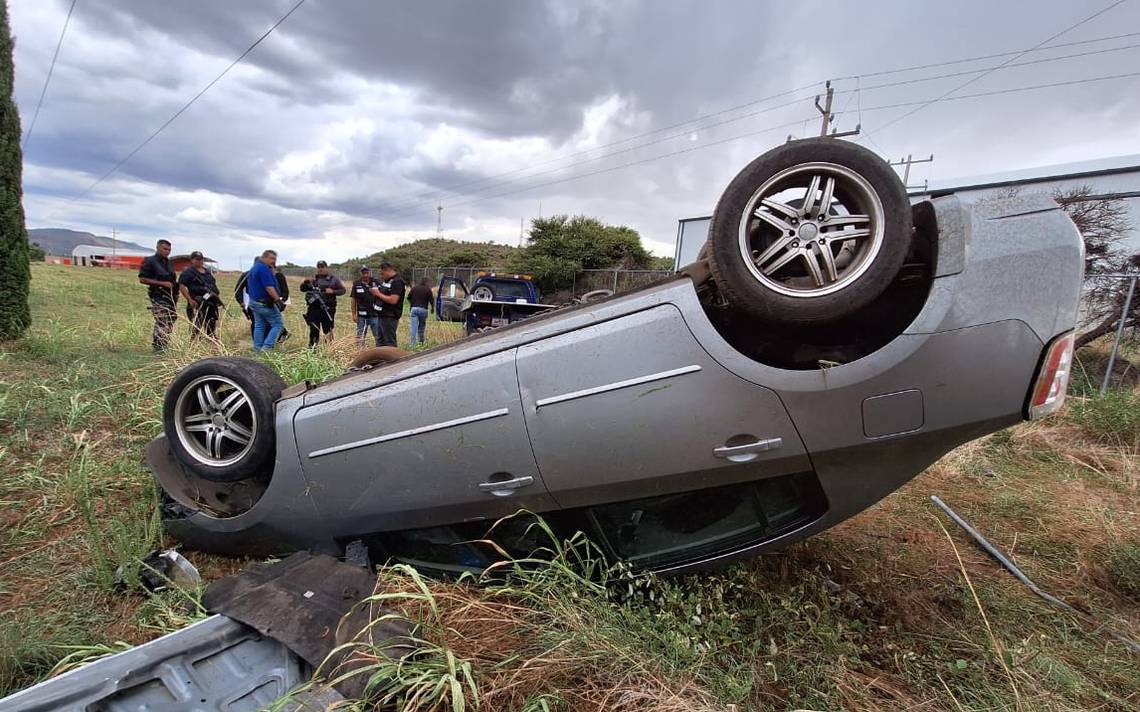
[832, 343]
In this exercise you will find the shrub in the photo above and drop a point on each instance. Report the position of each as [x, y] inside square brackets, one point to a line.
[15, 315]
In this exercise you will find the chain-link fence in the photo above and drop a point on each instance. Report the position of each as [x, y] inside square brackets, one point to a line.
[296, 274]
[467, 274]
[590, 280]
[1110, 308]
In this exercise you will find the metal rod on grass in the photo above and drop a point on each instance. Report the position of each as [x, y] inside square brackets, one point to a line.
[1020, 576]
[1119, 333]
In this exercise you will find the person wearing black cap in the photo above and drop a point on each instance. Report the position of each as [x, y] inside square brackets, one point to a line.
[157, 274]
[364, 294]
[198, 286]
[321, 291]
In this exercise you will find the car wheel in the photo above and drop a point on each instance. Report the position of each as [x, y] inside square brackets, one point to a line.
[810, 231]
[483, 293]
[370, 358]
[218, 416]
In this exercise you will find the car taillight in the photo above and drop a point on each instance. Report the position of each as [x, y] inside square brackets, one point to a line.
[1053, 379]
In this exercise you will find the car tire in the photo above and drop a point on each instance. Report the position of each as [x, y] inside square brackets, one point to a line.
[486, 291]
[370, 358]
[218, 415]
[792, 260]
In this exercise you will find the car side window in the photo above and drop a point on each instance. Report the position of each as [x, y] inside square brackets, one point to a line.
[672, 529]
[652, 533]
[508, 288]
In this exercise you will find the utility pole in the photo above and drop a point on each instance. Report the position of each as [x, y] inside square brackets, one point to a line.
[520, 232]
[907, 163]
[828, 117]
[114, 235]
[439, 220]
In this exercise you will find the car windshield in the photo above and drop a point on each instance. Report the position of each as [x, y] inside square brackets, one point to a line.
[508, 288]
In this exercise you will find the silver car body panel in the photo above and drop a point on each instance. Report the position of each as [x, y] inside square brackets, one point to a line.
[214, 664]
[640, 394]
[654, 437]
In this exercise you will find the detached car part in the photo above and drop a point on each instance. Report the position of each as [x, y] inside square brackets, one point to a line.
[833, 343]
[273, 626]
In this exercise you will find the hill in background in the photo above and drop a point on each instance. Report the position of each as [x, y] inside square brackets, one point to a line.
[57, 241]
[432, 252]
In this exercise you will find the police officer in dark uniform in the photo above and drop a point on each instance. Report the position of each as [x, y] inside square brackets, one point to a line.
[159, 277]
[364, 293]
[200, 288]
[321, 291]
[390, 303]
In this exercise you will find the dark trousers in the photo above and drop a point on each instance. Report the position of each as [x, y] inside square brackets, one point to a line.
[320, 318]
[205, 320]
[164, 317]
[388, 327]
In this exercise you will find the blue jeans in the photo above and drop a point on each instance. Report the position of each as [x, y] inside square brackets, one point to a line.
[267, 325]
[418, 325]
[363, 324]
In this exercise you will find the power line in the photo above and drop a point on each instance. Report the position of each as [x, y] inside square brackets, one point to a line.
[51, 68]
[1009, 90]
[188, 104]
[637, 162]
[1014, 54]
[970, 81]
[400, 206]
[415, 200]
[792, 123]
[919, 80]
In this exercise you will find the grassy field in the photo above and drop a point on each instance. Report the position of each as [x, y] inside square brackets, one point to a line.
[888, 611]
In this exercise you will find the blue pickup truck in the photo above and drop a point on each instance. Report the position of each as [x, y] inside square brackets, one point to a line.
[488, 287]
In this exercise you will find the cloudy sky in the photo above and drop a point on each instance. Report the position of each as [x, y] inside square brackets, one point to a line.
[340, 133]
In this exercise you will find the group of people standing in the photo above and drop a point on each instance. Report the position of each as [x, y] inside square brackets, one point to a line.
[378, 304]
[196, 284]
[263, 293]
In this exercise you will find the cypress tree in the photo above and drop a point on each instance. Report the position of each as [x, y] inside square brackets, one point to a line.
[15, 274]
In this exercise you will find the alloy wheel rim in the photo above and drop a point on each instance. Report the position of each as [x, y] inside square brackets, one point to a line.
[818, 242]
[215, 421]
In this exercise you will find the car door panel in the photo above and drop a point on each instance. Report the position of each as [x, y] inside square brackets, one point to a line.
[634, 407]
[422, 451]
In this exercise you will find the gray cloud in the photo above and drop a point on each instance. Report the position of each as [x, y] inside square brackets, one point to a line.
[355, 116]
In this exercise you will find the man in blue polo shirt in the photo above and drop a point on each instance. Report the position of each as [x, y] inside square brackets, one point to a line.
[265, 302]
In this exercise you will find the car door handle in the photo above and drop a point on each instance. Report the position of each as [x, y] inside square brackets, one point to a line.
[747, 451]
[505, 487]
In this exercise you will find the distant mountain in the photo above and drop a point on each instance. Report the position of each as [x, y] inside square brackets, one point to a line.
[57, 241]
